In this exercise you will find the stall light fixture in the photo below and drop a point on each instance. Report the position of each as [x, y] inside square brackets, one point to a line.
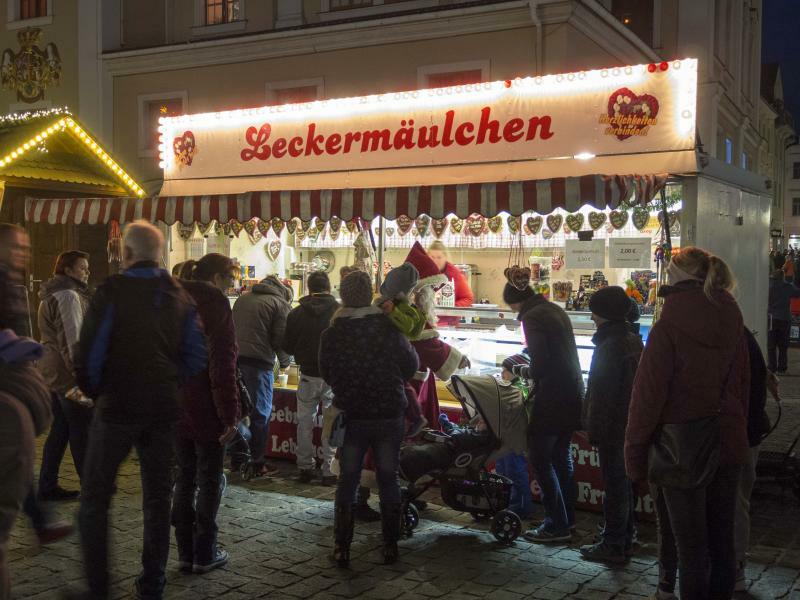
[68, 124]
[584, 156]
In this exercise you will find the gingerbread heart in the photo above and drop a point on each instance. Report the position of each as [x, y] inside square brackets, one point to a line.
[596, 220]
[554, 222]
[205, 228]
[352, 227]
[513, 223]
[236, 228]
[263, 226]
[495, 224]
[519, 277]
[575, 221]
[672, 216]
[277, 225]
[291, 225]
[534, 224]
[389, 231]
[439, 226]
[251, 227]
[299, 234]
[185, 148]
[547, 234]
[423, 223]
[476, 224]
[273, 250]
[640, 217]
[404, 223]
[631, 112]
[456, 224]
[305, 226]
[320, 225]
[185, 231]
[618, 218]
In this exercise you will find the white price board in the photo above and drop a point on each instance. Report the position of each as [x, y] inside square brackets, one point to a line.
[629, 253]
[585, 255]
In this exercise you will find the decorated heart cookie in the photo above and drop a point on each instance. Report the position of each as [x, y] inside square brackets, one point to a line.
[352, 227]
[574, 221]
[305, 226]
[184, 147]
[618, 218]
[495, 224]
[389, 231]
[640, 217]
[439, 226]
[277, 225]
[476, 224]
[513, 223]
[206, 228]
[596, 220]
[534, 224]
[456, 224]
[185, 231]
[273, 249]
[236, 228]
[519, 277]
[404, 224]
[630, 112]
[554, 222]
[262, 226]
[423, 223]
[547, 234]
[251, 227]
[319, 224]
[291, 225]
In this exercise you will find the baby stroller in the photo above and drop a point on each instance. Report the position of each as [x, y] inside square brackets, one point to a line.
[781, 468]
[497, 425]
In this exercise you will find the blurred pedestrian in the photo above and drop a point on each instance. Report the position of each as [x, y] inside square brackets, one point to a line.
[779, 313]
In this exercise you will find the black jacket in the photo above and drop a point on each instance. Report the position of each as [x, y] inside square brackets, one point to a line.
[140, 337]
[555, 370]
[304, 326]
[366, 361]
[757, 420]
[608, 395]
[13, 303]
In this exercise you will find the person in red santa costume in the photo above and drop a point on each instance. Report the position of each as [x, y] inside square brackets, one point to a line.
[435, 357]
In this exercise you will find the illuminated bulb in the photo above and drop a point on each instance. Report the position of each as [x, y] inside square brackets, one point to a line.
[44, 134]
[584, 156]
[14, 155]
[38, 138]
[93, 145]
[20, 150]
[26, 146]
[162, 164]
[50, 129]
[62, 122]
[82, 135]
[98, 151]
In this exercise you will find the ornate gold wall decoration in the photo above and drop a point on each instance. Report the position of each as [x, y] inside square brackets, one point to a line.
[32, 70]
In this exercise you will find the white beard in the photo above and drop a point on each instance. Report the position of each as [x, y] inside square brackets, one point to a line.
[424, 301]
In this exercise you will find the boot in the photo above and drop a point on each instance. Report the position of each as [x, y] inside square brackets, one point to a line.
[391, 515]
[363, 511]
[342, 534]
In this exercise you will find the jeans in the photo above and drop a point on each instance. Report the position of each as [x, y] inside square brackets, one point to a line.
[746, 483]
[259, 383]
[515, 467]
[618, 503]
[384, 437]
[311, 391]
[778, 345]
[199, 471]
[109, 445]
[667, 549]
[552, 464]
[71, 423]
[703, 523]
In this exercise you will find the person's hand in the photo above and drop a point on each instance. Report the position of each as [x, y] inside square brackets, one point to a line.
[773, 386]
[387, 307]
[464, 364]
[520, 371]
[228, 434]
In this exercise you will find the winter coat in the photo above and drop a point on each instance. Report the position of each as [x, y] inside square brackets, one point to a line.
[757, 420]
[366, 361]
[140, 338]
[555, 371]
[22, 381]
[13, 302]
[210, 400]
[464, 296]
[260, 320]
[608, 394]
[781, 293]
[695, 347]
[304, 326]
[64, 303]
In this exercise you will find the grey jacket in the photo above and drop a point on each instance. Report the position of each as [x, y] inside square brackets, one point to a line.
[260, 321]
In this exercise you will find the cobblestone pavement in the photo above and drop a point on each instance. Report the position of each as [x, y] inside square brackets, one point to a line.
[279, 533]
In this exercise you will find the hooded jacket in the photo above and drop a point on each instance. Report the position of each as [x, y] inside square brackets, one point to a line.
[366, 361]
[781, 293]
[555, 369]
[304, 326]
[260, 320]
[696, 346]
[210, 399]
[20, 380]
[64, 303]
[13, 304]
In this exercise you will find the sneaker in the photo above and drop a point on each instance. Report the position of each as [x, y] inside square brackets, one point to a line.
[329, 480]
[663, 595]
[741, 581]
[306, 476]
[53, 532]
[220, 560]
[415, 428]
[604, 552]
[58, 494]
[545, 536]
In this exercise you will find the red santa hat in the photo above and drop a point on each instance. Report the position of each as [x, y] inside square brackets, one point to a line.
[428, 273]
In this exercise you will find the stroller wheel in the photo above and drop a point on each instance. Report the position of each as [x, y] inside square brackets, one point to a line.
[506, 526]
[246, 471]
[410, 518]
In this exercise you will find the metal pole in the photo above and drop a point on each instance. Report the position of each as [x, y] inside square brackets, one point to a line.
[381, 244]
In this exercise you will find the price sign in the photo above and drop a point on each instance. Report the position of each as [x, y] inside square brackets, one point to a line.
[629, 253]
[585, 255]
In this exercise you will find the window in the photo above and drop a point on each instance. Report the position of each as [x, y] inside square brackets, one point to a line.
[295, 95]
[221, 11]
[636, 15]
[437, 80]
[729, 150]
[745, 160]
[151, 108]
[451, 74]
[32, 9]
[796, 170]
[796, 207]
[348, 4]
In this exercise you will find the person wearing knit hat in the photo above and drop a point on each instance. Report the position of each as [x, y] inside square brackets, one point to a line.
[515, 297]
[356, 290]
[614, 363]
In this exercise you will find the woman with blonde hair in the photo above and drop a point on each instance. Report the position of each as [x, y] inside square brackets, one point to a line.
[690, 400]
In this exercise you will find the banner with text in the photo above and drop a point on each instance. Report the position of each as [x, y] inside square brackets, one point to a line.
[629, 253]
[585, 255]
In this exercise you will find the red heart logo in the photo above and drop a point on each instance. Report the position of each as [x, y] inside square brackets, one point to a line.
[624, 105]
[184, 147]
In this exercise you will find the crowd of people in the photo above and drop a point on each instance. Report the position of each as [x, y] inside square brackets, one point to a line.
[162, 364]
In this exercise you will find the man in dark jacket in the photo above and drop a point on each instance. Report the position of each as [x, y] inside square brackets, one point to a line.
[139, 340]
[304, 326]
[260, 321]
[15, 250]
[616, 355]
[555, 373]
[781, 293]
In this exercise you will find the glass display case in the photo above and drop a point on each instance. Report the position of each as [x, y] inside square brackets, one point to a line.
[488, 334]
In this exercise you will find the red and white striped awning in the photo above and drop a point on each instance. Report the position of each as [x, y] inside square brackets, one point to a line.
[488, 199]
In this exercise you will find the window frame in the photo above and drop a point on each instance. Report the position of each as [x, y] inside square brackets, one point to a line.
[201, 29]
[728, 149]
[796, 169]
[143, 101]
[15, 20]
[796, 207]
[378, 8]
[271, 87]
[483, 65]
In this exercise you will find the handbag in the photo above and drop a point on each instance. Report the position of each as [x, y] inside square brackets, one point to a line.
[685, 456]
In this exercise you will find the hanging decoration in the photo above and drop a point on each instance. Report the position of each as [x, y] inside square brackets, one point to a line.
[575, 221]
[206, 228]
[423, 223]
[253, 231]
[277, 225]
[305, 226]
[495, 224]
[114, 246]
[404, 224]
[596, 220]
[273, 249]
[640, 217]
[557, 262]
[513, 223]
[618, 218]
[476, 225]
[547, 234]
[319, 224]
[389, 231]
[185, 231]
[352, 227]
[263, 227]
[236, 228]
[534, 224]
[439, 226]
[456, 225]
[291, 225]
[335, 227]
[554, 222]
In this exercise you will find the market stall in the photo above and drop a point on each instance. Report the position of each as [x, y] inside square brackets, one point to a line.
[585, 177]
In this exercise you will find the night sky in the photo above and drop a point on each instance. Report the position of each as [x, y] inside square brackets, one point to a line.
[781, 44]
